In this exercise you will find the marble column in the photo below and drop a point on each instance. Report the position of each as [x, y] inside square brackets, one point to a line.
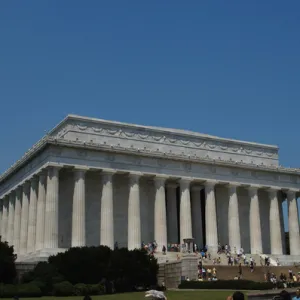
[10, 222]
[17, 219]
[293, 223]
[40, 218]
[78, 213]
[51, 209]
[134, 214]
[160, 214]
[254, 221]
[211, 217]
[185, 210]
[32, 215]
[234, 234]
[275, 230]
[197, 216]
[24, 218]
[172, 219]
[107, 210]
[281, 199]
[4, 222]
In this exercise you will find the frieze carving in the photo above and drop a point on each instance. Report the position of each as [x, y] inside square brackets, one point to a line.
[254, 174]
[187, 167]
[110, 157]
[177, 139]
[81, 153]
[162, 162]
[235, 173]
[213, 169]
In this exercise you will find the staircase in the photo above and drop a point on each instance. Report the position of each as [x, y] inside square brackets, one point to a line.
[285, 260]
[228, 272]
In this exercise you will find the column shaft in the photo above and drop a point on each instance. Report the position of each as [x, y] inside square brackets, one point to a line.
[172, 219]
[275, 230]
[293, 224]
[134, 214]
[40, 220]
[4, 221]
[234, 234]
[78, 215]
[197, 216]
[17, 220]
[10, 222]
[211, 217]
[32, 216]
[51, 210]
[24, 219]
[254, 221]
[160, 214]
[185, 211]
[107, 211]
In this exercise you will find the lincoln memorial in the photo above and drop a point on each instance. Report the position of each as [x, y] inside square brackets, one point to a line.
[96, 182]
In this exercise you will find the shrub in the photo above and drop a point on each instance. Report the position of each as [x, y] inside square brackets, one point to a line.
[81, 289]
[29, 290]
[226, 284]
[96, 289]
[64, 288]
[118, 270]
[21, 290]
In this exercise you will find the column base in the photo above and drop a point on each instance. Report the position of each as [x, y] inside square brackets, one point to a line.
[40, 255]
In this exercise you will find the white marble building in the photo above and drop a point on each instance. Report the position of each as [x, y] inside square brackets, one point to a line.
[91, 182]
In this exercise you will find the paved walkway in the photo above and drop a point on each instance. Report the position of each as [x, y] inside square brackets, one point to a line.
[249, 293]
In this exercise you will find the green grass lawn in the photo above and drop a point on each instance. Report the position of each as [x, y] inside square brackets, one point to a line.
[171, 295]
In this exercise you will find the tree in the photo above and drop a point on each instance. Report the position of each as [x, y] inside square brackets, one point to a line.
[8, 271]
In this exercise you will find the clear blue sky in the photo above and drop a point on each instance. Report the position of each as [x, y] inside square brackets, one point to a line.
[226, 68]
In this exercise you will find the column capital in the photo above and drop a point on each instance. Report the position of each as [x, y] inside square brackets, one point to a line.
[53, 170]
[79, 173]
[5, 200]
[18, 191]
[291, 193]
[42, 176]
[210, 184]
[253, 187]
[273, 189]
[26, 186]
[232, 186]
[107, 175]
[185, 182]
[159, 181]
[12, 196]
[253, 190]
[134, 178]
[34, 181]
[197, 188]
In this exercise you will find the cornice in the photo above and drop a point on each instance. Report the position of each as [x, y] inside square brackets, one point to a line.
[48, 140]
[172, 156]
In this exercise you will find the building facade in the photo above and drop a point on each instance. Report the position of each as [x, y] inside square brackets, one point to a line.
[92, 182]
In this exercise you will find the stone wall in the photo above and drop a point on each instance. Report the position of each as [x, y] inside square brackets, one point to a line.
[170, 274]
